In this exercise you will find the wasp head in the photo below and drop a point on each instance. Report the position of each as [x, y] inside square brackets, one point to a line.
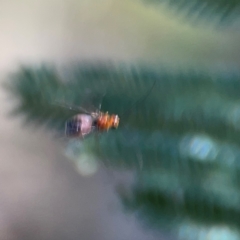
[116, 122]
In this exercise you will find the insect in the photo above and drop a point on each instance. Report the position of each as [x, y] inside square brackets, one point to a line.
[81, 125]
[86, 122]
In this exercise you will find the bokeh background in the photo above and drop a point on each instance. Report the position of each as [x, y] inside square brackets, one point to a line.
[182, 154]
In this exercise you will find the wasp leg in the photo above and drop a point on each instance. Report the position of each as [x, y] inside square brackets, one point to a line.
[140, 159]
[104, 162]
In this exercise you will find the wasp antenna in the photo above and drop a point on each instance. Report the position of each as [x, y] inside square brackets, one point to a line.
[100, 104]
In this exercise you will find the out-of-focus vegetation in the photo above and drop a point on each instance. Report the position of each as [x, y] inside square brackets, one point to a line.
[221, 12]
[182, 141]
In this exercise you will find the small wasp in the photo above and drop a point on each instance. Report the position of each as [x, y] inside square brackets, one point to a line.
[86, 122]
[81, 125]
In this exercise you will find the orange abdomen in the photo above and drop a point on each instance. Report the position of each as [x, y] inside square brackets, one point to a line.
[105, 122]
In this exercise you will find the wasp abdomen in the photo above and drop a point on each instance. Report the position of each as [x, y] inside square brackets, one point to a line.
[79, 125]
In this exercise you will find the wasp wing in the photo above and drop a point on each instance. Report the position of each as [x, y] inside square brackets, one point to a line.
[92, 101]
[71, 107]
[88, 102]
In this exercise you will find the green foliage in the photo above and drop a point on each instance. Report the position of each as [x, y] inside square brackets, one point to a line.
[182, 141]
[223, 12]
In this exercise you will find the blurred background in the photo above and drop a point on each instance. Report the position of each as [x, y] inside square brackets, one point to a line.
[171, 170]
